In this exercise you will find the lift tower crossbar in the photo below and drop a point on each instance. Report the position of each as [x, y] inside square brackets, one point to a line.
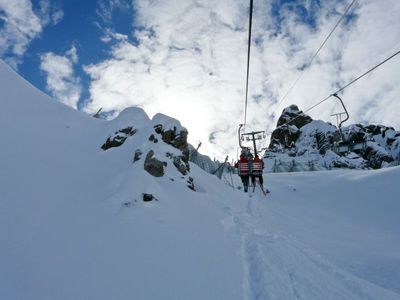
[254, 136]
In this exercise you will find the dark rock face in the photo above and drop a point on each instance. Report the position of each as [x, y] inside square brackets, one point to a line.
[357, 135]
[138, 154]
[148, 197]
[381, 140]
[154, 166]
[114, 142]
[341, 164]
[118, 138]
[375, 157]
[323, 143]
[293, 113]
[191, 184]
[175, 139]
[285, 137]
[153, 139]
[178, 161]
[373, 129]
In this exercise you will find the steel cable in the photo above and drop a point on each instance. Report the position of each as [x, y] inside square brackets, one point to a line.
[248, 61]
[316, 53]
[345, 86]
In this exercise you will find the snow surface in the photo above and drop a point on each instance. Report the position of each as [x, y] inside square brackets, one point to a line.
[73, 224]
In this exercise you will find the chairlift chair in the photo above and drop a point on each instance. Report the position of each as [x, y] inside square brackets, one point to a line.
[345, 145]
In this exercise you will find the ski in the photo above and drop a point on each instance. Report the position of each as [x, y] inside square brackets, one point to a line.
[262, 188]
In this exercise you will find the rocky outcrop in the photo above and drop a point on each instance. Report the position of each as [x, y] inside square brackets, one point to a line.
[285, 136]
[191, 184]
[299, 119]
[287, 131]
[376, 156]
[148, 197]
[138, 155]
[153, 139]
[175, 138]
[307, 141]
[159, 148]
[323, 142]
[179, 163]
[154, 166]
[118, 138]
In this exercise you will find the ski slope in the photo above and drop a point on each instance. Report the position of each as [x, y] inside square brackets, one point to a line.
[322, 235]
[73, 224]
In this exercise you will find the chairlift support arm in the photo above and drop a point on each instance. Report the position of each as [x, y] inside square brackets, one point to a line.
[347, 115]
[344, 107]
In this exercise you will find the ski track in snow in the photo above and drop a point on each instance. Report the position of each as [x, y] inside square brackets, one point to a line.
[280, 267]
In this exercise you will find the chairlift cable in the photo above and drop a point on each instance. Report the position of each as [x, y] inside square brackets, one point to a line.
[248, 61]
[345, 86]
[307, 66]
[369, 71]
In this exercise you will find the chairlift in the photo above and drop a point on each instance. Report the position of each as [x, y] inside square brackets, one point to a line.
[345, 145]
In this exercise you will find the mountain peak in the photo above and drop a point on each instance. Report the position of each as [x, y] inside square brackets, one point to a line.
[292, 112]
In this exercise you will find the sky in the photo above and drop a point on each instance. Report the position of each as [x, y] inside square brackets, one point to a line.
[187, 59]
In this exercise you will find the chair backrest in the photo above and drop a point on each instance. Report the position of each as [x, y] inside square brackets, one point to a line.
[243, 167]
[257, 167]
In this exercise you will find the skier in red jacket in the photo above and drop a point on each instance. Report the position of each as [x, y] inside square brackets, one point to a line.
[258, 167]
[243, 171]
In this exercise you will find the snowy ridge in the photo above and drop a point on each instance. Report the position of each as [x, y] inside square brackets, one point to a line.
[74, 223]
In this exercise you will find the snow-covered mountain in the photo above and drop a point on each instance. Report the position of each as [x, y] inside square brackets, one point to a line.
[307, 144]
[95, 209]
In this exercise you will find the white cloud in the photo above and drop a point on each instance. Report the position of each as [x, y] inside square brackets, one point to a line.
[61, 81]
[110, 35]
[106, 7]
[190, 63]
[72, 54]
[56, 16]
[21, 24]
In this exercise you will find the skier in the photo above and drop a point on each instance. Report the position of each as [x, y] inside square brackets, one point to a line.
[243, 171]
[258, 166]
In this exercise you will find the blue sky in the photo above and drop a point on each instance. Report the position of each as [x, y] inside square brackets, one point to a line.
[187, 58]
[79, 28]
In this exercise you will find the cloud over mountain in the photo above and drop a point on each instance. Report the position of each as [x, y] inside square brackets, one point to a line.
[188, 59]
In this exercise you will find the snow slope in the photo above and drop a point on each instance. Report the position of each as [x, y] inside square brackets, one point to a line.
[73, 224]
[318, 231]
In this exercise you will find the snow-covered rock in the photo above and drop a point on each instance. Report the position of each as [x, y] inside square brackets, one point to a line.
[307, 144]
[162, 139]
